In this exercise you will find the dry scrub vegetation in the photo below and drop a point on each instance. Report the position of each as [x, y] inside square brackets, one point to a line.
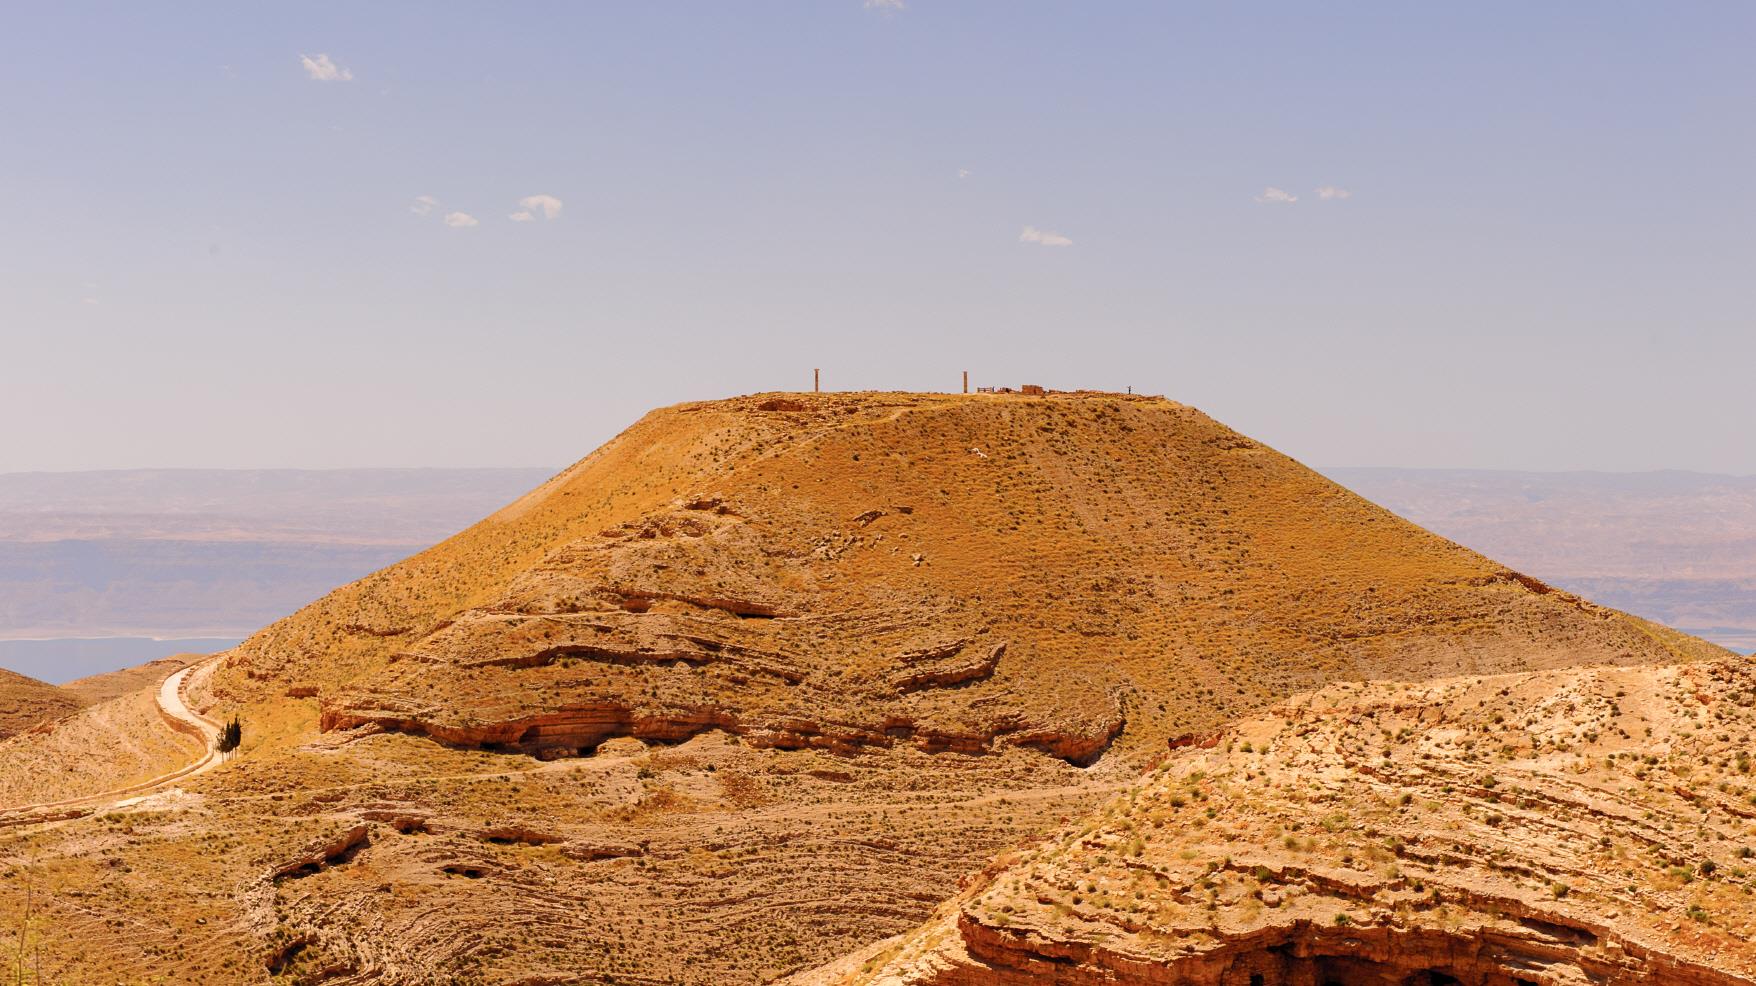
[1561, 827]
[103, 747]
[26, 702]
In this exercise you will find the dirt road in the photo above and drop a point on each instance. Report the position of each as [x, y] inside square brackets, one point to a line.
[179, 716]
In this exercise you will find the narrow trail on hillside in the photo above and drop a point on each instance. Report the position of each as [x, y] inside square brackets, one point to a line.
[177, 715]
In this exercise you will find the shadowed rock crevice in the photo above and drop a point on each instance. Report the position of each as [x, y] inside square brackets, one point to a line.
[1306, 954]
[336, 851]
[580, 731]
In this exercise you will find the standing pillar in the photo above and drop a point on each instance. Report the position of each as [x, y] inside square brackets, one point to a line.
[816, 381]
[966, 381]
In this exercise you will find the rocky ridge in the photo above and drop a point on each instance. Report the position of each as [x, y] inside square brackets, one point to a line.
[1564, 827]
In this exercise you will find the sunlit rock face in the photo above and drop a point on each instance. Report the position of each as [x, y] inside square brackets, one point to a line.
[1558, 828]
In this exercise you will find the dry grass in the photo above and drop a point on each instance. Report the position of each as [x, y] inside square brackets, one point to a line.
[102, 747]
[1593, 812]
[27, 702]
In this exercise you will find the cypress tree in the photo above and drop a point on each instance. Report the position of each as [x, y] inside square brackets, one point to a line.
[231, 736]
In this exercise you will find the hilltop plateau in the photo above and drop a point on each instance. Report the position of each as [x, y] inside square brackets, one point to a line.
[839, 571]
[753, 685]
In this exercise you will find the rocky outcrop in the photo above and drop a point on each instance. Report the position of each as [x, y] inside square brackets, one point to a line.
[1523, 830]
[1312, 955]
[324, 853]
[608, 642]
[1529, 952]
[579, 731]
[948, 666]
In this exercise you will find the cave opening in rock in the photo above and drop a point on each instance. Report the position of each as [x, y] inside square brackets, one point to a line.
[1276, 967]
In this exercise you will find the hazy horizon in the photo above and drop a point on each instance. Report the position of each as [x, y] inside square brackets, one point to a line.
[1319, 467]
[93, 562]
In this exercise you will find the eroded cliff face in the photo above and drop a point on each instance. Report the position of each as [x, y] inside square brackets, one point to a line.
[1572, 827]
[705, 618]
[1508, 951]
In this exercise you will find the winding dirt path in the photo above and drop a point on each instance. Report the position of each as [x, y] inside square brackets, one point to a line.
[177, 715]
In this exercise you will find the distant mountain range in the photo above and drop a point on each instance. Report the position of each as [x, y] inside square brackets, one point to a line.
[1676, 547]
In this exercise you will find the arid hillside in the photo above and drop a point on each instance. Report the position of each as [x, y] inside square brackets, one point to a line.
[1677, 547]
[1552, 829]
[102, 747]
[753, 686]
[115, 684]
[837, 570]
[25, 702]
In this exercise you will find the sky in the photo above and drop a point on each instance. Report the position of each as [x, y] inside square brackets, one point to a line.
[1484, 235]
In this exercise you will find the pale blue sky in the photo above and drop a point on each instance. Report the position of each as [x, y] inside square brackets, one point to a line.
[209, 256]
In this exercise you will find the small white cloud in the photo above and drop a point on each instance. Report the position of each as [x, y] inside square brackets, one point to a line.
[548, 205]
[1333, 192]
[321, 69]
[886, 5]
[461, 220]
[88, 301]
[523, 216]
[1276, 196]
[423, 204]
[1043, 237]
[963, 172]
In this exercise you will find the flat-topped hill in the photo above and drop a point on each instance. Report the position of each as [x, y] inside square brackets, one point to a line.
[845, 571]
[757, 682]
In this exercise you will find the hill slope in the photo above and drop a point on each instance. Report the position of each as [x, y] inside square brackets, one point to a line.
[755, 683]
[115, 684]
[1673, 546]
[845, 571]
[1552, 828]
[25, 702]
